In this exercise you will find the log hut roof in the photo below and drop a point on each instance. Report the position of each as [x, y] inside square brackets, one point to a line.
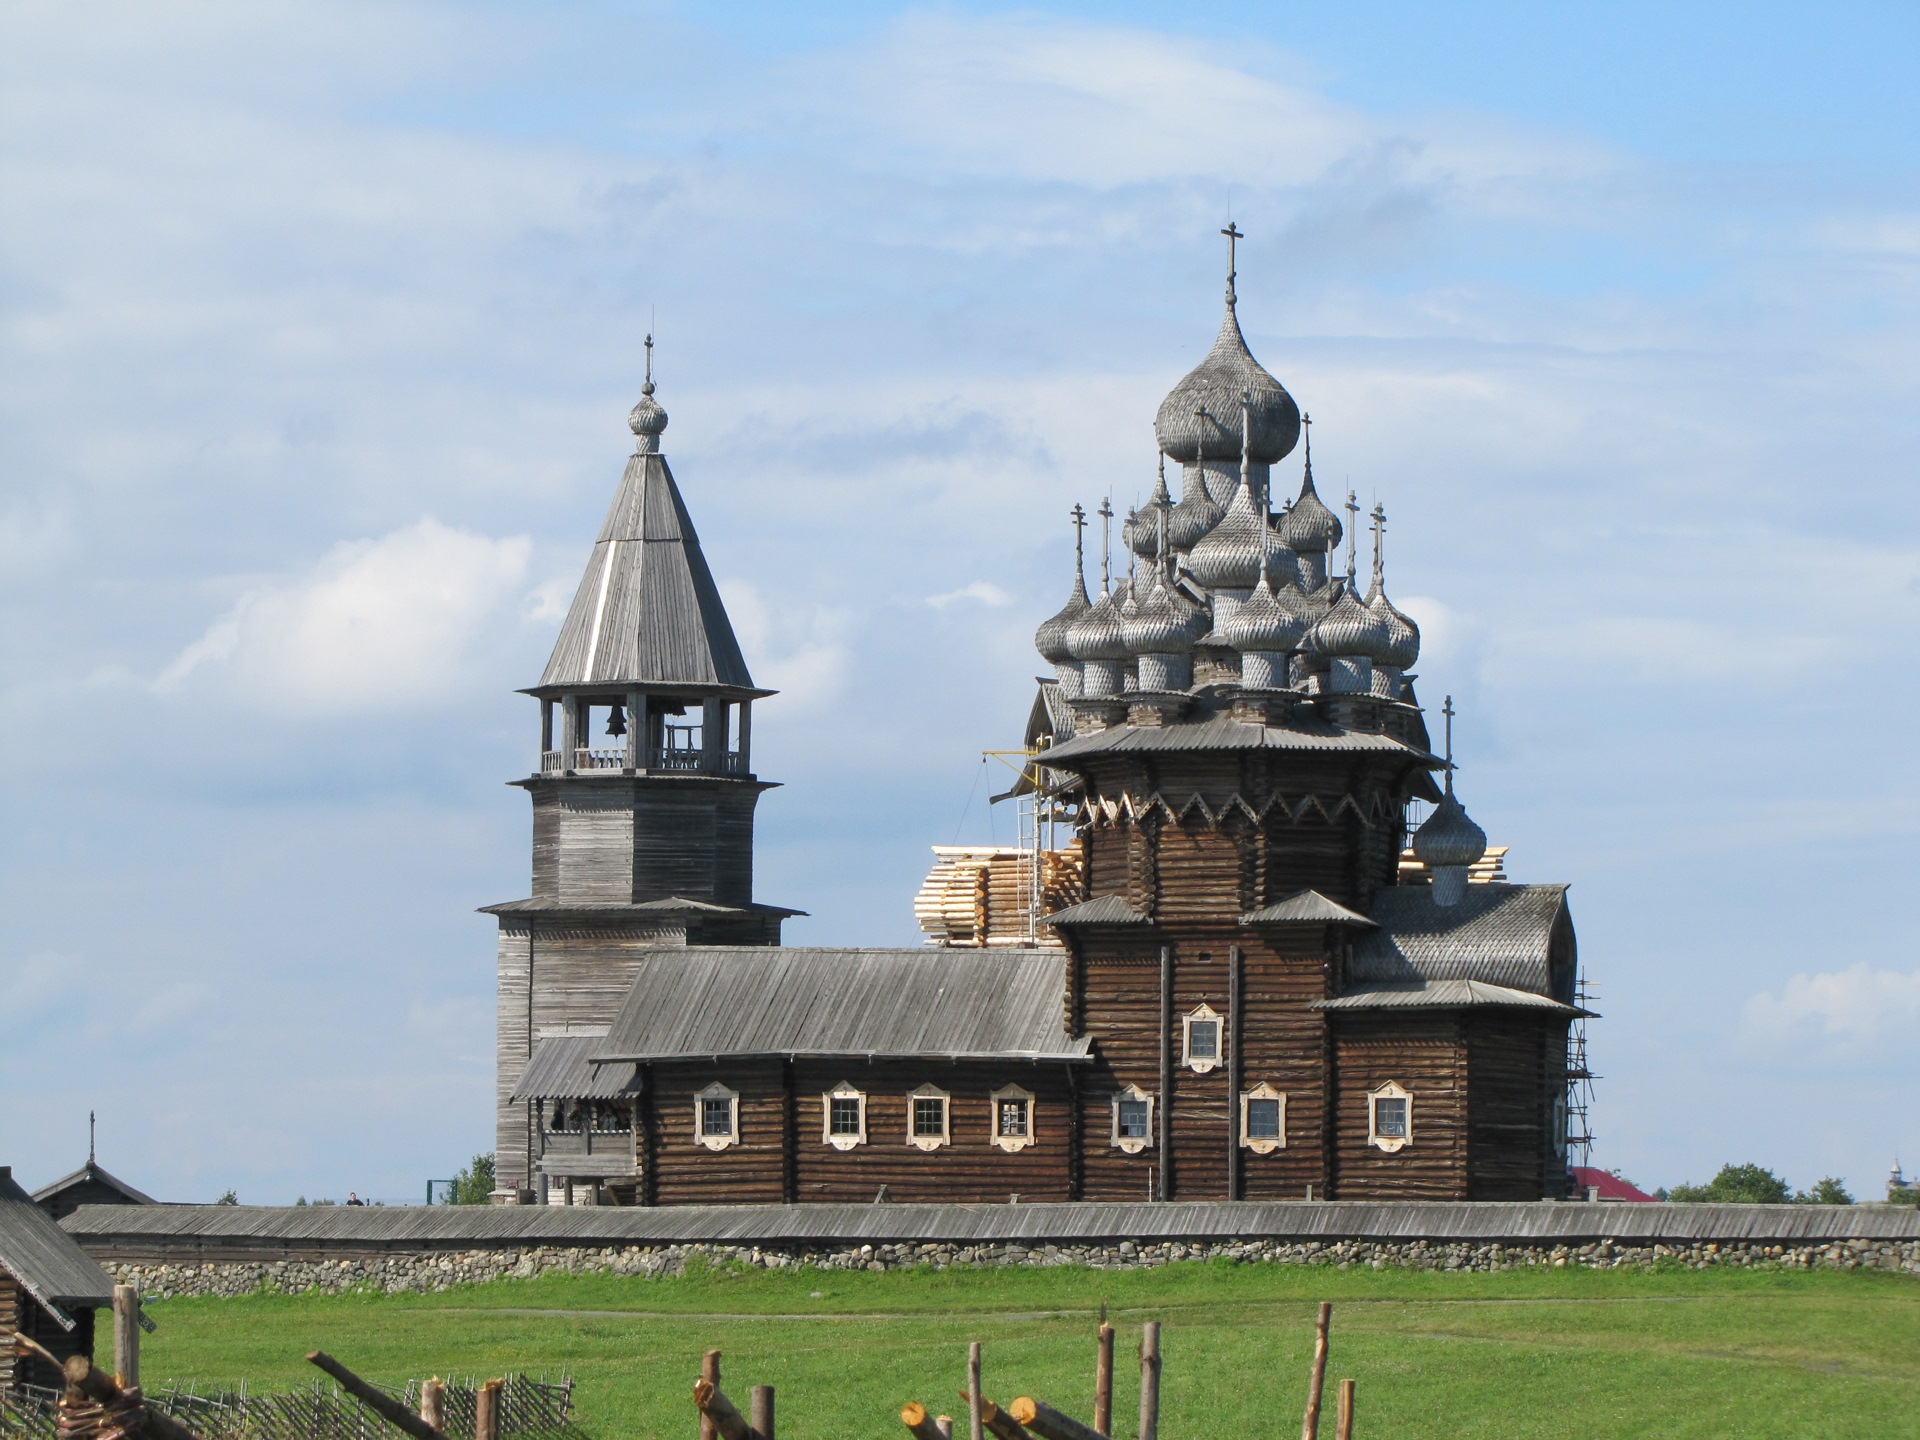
[763, 1000]
[89, 1175]
[647, 611]
[1497, 934]
[1443, 995]
[1221, 732]
[1101, 910]
[562, 1068]
[47, 1262]
[1308, 907]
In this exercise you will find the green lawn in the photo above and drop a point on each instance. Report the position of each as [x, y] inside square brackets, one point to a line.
[1550, 1353]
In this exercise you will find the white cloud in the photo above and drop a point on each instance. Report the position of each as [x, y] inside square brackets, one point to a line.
[377, 624]
[799, 650]
[1859, 1007]
[983, 591]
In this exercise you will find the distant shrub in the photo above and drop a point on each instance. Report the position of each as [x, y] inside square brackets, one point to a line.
[1736, 1185]
[473, 1185]
[1826, 1191]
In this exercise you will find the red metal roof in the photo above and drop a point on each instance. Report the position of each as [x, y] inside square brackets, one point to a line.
[1611, 1187]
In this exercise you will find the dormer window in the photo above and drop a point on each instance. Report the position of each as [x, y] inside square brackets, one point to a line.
[844, 1117]
[928, 1110]
[1203, 1033]
[1390, 1118]
[716, 1117]
[1132, 1120]
[1012, 1118]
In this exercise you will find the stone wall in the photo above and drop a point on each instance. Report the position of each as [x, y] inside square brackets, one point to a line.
[437, 1270]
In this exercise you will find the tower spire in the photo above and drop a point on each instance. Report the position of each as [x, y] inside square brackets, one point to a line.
[1080, 545]
[1352, 507]
[1234, 235]
[89, 1137]
[1379, 534]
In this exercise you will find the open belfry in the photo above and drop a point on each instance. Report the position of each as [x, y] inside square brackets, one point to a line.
[1244, 975]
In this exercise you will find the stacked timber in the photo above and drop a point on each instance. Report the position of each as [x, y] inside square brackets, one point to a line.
[981, 895]
[1489, 869]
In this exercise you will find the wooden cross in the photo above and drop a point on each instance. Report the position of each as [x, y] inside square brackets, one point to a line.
[1079, 541]
[1447, 710]
[649, 361]
[1106, 544]
[1234, 234]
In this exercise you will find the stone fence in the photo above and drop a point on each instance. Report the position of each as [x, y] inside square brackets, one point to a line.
[226, 1250]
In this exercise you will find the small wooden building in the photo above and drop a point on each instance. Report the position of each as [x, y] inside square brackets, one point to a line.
[89, 1185]
[49, 1288]
[1265, 971]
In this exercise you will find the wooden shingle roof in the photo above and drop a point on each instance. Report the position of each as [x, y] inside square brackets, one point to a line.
[787, 1000]
[46, 1261]
[1498, 934]
[647, 610]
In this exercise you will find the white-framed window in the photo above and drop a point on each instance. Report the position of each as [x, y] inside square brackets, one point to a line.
[929, 1113]
[716, 1117]
[1203, 1039]
[1390, 1118]
[1132, 1120]
[1263, 1119]
[1012, 1117]
[843, 1117]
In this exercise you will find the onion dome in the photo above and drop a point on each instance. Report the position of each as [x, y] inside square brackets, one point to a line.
[1348, 628]
[1165, 624]
[1310, 527]
[1141, 534]
[1096, 634]
[1264, 623]
[1051, 638]
[1188, 423]
[1230, 555]
[647, 419]
[1449, 838]
[1403, 636]
[1190, 520]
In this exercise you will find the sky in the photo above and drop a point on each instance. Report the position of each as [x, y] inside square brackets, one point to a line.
[318, 328]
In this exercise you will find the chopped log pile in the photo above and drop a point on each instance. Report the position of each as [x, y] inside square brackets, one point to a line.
[982, 895]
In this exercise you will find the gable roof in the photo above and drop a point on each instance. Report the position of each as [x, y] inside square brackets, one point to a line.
[647, 610]
[91, 1174]
[1499, 934]
[46, 1261]
[1101, 910]
[718, 1000]
[1306, 907]
[1443, 995]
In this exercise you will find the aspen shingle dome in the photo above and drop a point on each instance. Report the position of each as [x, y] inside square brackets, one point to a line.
[1402, 648]
[1449, 837]
[1229, 556]
[1264, 623]
[1348, 628]
[1190, 421]
[1051, 638]
[1096, 634]
[1165, 624]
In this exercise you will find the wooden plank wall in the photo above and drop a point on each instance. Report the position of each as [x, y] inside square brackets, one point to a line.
[640, 838]
[1517, 1067]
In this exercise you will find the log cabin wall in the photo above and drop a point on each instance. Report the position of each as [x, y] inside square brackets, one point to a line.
[1425, 1055]
[1516, 1069]
[21, 1314]
[782, 1154]
[644, 838]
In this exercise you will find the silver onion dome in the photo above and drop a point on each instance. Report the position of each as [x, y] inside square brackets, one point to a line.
[647, 419]
[1051, 638]
[1310, 527]
[1264, 623]
[1402, 648]
[1166, 623]
[1096, 634]
[1347, 628]
[1189, 422]
[1230, 555]
[1449, 838]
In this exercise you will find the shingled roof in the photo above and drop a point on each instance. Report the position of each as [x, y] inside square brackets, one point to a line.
[562, 1068]
[647, 610]
[1498, 934]
[46, 1261]
[786, 1000]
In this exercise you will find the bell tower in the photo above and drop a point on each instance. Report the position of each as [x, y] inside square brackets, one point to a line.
[643, 791]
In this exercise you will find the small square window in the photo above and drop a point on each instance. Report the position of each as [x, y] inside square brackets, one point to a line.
[1134, 1118]
[1263, 1119]
[843, 1117]
[1013, 1119]
[1012, 1111]
[929, 1117]
[846, 1115]
[1203, 1032]
[716, 1118]
[1390, 1118]
[1203, 1040]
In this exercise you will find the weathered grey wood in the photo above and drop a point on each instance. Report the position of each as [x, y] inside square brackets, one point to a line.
[1150, 1381]
[1103, 1380]
[976, 1413]
[126, 1336]
[433, 1397]
[1236, 1083]
[85, 1382]
[378, 1401]
[760, 1408]
[944, 1424]
[914, 1416]
[1163, 1103]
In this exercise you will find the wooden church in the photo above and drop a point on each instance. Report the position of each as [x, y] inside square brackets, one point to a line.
[1250, 980]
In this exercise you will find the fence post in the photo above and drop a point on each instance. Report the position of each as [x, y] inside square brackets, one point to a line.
[433, 1395]
[126, 1336]
[1345, 1429]
[1150, 1381]
[486, 1412]
[1310, 1424]
[709, 1372]
[761, 1406]
[976, 1411]
[1103, 1380]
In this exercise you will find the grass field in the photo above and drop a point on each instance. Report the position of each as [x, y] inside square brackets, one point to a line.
[1553, 1353]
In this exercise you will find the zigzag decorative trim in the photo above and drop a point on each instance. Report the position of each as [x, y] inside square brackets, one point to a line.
[1108, 811]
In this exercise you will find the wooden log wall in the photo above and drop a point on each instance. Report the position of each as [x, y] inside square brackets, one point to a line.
[1426, 1055]
[1517, 1068]
[642, 838]
[782, 1154]
[21, 1314]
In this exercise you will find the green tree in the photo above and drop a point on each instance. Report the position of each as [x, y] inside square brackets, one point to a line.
[1736, 1185]
[1828, 1190]
[473, 1185]
[228, 1199]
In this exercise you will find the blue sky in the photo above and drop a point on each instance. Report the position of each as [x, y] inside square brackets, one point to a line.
[320, 323]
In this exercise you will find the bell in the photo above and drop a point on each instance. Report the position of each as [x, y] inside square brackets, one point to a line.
[617, 721]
